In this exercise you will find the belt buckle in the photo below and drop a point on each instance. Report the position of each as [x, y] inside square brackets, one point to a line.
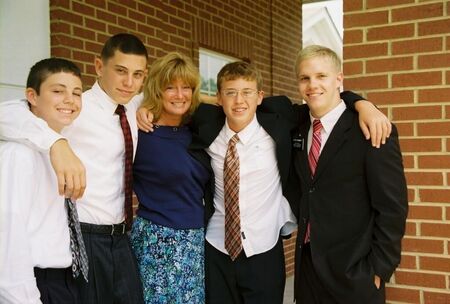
[123, 228]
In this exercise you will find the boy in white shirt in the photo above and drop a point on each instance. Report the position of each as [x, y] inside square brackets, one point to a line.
[35, 254]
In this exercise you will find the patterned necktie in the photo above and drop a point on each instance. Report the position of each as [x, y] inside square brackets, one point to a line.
[233, 242]
[313, 157]
[128, 177]
[79, 256]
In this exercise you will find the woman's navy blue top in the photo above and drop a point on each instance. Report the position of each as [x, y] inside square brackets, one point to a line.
[167, 180]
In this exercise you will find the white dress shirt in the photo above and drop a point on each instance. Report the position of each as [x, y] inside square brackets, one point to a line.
[33, 222]
[97, 139]
[264, 211]
[328, 121]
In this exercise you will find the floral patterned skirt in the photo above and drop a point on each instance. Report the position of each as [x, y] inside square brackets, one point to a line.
[170, 261]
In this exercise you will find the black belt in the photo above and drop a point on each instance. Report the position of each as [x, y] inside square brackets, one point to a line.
[52, 273]
[118, 229]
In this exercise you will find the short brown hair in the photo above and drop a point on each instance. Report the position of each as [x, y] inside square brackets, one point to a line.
[239, 69]
[163, 72]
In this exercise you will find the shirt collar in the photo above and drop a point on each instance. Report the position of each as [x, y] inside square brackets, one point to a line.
[103, 100]
[329, 120]
[245, 134]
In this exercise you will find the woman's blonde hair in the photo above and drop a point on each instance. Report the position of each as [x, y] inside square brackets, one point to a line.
[162, 73]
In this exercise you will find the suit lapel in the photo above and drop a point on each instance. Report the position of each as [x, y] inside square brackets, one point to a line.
[336, 139]
[301, 154]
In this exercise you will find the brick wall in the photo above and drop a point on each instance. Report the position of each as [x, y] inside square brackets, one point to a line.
[267, 32]
[398, 55]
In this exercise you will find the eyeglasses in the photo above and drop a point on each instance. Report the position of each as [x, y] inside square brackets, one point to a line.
[245, 93]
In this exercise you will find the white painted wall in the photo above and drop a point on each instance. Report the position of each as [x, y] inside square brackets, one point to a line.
[24, 39]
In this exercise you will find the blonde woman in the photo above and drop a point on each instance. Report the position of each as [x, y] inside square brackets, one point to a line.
[168, 233]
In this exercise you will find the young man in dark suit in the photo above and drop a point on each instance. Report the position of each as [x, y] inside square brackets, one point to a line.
[253, 270]
[354, 205]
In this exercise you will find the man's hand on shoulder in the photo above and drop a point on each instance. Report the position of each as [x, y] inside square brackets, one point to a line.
[69, 170]
[144, 119]
[374, 124]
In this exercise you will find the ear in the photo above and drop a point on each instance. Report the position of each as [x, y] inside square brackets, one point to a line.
[340, 79]
[98, 66]
[260, 97]
[219, 98]
[31, 96]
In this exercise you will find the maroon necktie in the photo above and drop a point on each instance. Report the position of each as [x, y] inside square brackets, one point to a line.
[313, 157]
[233, 242]
[128, 177]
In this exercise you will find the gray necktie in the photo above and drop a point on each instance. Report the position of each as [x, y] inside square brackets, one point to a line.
[79, 256]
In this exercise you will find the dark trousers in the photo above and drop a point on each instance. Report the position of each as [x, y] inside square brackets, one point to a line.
[56, 286]
[258, 279]
[113, 273]
[312, 291]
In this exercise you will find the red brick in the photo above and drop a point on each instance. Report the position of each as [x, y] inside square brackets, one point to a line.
[417, 12]
[416, 79]
[352, 36]
[434, 27]
[82, 9]
[136, 16]
[390, 32]
[448, 40]
[97, 3]
[424, 178]
[405, 129]
[365, 50]
[353, 67]
[434, 161]
[387, 3]
[411, 229]
[130, 25]
[447, 76]
[420, 279]
[434, 195]
[389, 64]
[434, 61]
[417, 112]
[435, 263]
[119, 10]
[421, 145]
[403, 295]
[413, 46]
[365, 19]
[354, 5]
[83, 32]
[83, 56]
[435, 229]
[146, 8]
[422, 245]
[425, 212]
[105, 16]
[408, 160]
[411, 195]
[408, 262]
[366, 82]
[61, 52]
[58, 14]
[434, 129]
[434, 95]
[436, 297]
[60, 28]
[68, 41]
[391, 97]
[447, 210]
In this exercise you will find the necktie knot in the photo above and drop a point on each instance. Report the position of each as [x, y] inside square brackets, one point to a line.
[120, 110]
[317, 126]
[233, 140]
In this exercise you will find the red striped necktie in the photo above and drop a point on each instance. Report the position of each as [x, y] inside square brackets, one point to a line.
[313, 158]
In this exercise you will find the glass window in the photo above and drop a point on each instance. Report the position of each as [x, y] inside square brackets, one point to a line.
[210, 64]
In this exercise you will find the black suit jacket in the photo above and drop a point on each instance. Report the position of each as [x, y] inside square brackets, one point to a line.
[357, 206]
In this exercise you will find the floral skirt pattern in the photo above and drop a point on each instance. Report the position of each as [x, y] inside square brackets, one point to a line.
[170, 261]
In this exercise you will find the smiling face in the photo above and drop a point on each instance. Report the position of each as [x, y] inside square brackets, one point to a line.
[122, 75]
[58, 101]
[240, 108]
[319, 82]
[176, 101]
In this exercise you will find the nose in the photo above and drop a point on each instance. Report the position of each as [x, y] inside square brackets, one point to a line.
[68, 98]
[128, 81]
[179, 92]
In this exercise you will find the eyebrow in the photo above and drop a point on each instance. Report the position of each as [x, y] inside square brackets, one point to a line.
[124, 67]
[64, 86]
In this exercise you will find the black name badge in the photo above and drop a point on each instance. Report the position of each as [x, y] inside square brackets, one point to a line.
[298, 142]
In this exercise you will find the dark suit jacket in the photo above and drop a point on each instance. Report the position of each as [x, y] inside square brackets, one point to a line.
[357, 206]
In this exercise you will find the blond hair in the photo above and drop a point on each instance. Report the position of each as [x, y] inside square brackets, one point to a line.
[315, 50]
[165, 70]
